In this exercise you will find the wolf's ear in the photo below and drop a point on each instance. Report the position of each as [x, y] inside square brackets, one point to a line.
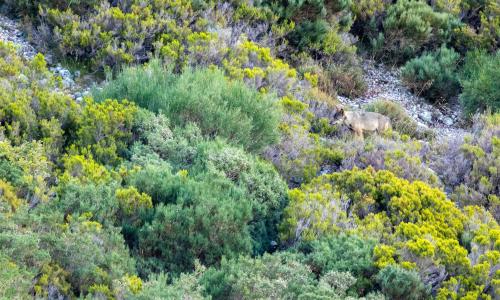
[339, 109]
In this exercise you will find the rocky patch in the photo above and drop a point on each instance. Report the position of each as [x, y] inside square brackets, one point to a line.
[10, 31]
[385, 83]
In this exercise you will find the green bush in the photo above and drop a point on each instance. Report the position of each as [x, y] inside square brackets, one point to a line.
[398, 283]
[219, 107]
[412, 25]
[344, 79]
[433, 75]
[344, 253]
[30, 7]
[277, 276]
[480, 79]
[229, 200]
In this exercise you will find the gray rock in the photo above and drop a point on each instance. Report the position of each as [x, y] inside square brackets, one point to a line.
[65, 73]
[448, 121]
[426, 116]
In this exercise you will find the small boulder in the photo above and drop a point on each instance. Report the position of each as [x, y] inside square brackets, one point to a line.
[426, 116]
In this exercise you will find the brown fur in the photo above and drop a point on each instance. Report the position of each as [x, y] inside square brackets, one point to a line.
[361, 121]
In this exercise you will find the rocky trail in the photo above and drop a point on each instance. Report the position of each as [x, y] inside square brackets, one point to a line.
[385, 83]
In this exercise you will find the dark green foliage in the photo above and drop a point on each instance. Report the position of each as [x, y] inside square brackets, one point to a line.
[69, 243]
[308, 33]
[310, 16]
[399, 283]
[31, 7]
[480, 82]
[411, 25]
[433, 75]
[219, 107]
[198, 182]
[344, 253]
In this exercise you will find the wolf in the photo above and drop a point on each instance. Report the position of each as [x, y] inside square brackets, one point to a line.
[362, 121]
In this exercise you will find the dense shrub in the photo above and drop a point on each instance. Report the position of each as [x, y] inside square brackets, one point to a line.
[433, 75]
[481, 26]
[344, 79]
[398, 283]
[402, 157]
[311, 19]
[416, 226]
[106, 129]
[277, 276]
[343, 253]
[480, 77]
[31, 7]
[31, 107]
[93, 194]
[412, 25]
[469, 167]
[201, 185]
[219, 107]
[70, 244]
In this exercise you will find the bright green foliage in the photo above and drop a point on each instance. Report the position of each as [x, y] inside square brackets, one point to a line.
[110, 36]
[424, 227]
[398, 283]
[8, 197]
[83, 169]
[260, 69]
[323, 205]
[52, 276]
[29, 107]
[28, 169]
[400, 155]
[366, 9]
[433, 75]
[218, 107]
[132, 201]
[479, 80]
[95, 194]
[106, 129]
